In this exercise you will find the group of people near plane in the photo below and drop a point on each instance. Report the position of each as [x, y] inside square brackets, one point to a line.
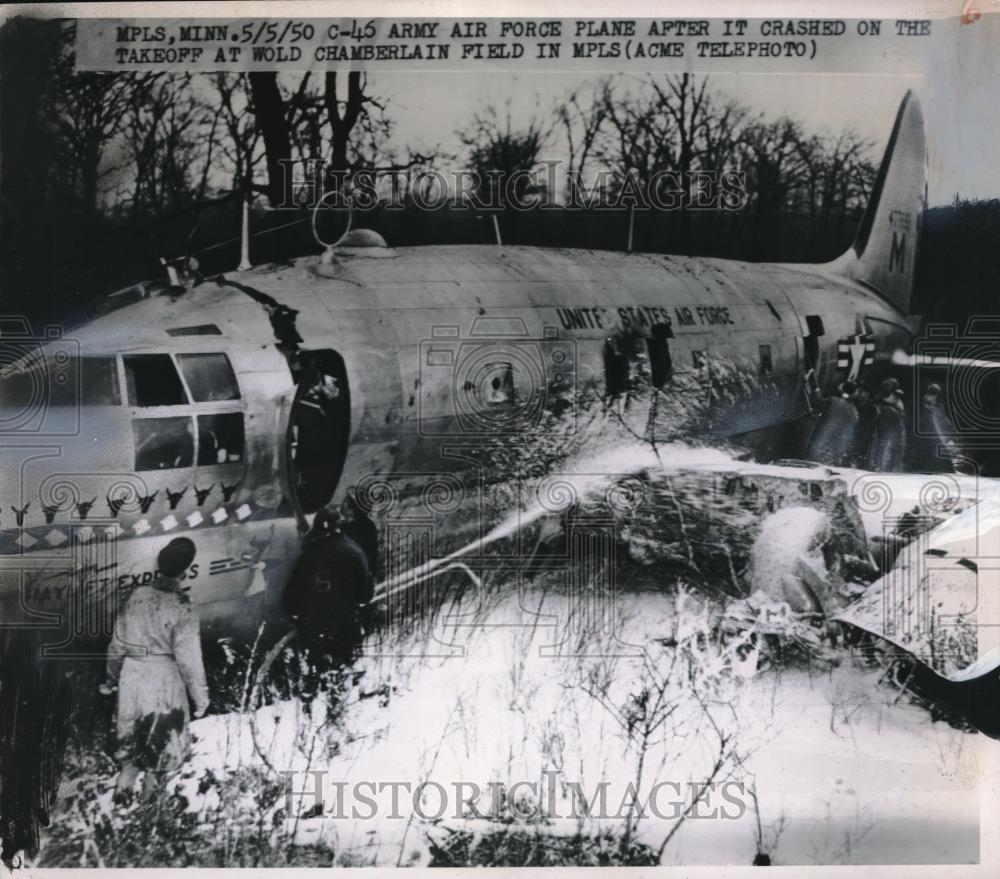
[870, 428]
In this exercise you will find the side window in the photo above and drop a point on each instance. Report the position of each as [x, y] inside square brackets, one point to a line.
[499, 386]
[766, 363]
[220, 438]
[163, 443]
[616, 371]
[209, 377]
[152, 380]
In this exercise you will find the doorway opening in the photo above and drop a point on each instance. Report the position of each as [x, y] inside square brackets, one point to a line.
[814, 330]
[319, 429]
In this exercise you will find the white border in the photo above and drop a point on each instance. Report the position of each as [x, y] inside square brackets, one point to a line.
[989, 750]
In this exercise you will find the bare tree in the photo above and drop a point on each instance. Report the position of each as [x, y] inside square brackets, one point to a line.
[344, 115]
[673, 123]
[824, 177]
[722, 133]
[498, 151]
[346, 132]
[241, 145]
[639, 139]
[583, 119]
[88, 110]
[169, 133]
[773, 162]
[685, 102]
[271, 111]
[839, 175]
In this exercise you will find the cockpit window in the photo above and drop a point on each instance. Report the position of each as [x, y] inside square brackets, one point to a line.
[220, 438]
[163, 443]
[209, 377]
[99, 382]
[60, 381]
[152, 380]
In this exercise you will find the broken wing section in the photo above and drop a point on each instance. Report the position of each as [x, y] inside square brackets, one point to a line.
[939, 603]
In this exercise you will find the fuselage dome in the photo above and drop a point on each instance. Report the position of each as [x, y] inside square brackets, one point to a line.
[363, 238]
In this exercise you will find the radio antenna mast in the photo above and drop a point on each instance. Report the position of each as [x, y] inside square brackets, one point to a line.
[245, 236]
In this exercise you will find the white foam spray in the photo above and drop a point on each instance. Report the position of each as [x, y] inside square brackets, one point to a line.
[587, 475]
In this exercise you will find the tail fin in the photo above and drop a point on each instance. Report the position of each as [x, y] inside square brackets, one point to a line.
[884, 253]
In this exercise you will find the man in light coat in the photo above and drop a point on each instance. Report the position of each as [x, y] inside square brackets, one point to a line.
[155, 661]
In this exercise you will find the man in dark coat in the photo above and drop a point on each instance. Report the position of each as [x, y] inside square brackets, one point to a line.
[864, 434]
[330, 584]
[834, 430]
[359, 527]
[888, 448]
[935, 447]
[155, 662]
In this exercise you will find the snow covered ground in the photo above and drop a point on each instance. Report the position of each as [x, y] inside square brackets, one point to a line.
[541, 702]
[843, 769]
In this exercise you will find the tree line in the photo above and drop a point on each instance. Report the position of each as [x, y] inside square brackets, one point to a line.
[105, 173]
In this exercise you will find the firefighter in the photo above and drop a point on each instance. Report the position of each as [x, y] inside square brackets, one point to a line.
[155, 662]
[330, 584]
[360, 528]
[867, 422]
[834, 430]
[935, 446]
[792, 560]
[888, 447]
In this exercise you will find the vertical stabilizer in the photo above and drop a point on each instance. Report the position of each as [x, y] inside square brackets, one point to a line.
[884, 253]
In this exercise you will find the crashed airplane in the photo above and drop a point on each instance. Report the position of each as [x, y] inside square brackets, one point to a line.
[230, 408]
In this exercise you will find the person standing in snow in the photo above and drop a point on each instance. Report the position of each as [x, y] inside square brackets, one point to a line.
[330, 584]
[155, 662]
[325, 600]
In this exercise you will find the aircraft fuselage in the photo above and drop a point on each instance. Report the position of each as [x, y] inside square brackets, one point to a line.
[438, 354]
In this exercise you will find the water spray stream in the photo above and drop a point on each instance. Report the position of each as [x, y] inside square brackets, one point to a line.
[605, 468]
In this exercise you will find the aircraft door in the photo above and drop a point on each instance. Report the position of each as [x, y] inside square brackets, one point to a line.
[813, 331]
[661, 365]
[815, 374]
[319, 429]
